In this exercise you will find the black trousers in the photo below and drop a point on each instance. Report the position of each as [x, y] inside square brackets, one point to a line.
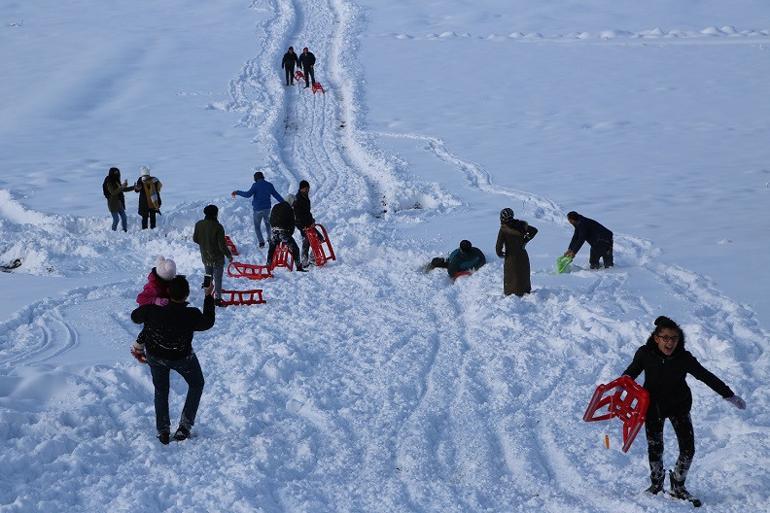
[309, 75]
[190, 369]
[601, 250]
[653, 427]
[289, 75]
[148, 215]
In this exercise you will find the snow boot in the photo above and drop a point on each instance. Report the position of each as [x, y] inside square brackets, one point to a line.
[163, 436]
[678, 491]
[182, 433]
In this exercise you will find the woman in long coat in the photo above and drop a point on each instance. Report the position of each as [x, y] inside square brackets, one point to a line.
[511, 240]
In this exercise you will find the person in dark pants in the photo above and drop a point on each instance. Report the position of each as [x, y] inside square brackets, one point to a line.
[665, 364]
[148, 188]
[597, 236]
[282, 222]
[462, 260]
[168, 333]
[290, 60]
[512, 238]
[307, 64]
[303, 218]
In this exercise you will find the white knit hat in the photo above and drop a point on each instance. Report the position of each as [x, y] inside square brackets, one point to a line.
[290, 199]
[165, 268]
[144, 171]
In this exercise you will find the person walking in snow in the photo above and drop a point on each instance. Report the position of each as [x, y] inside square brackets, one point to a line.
[167, 346]
[597, 236]
[665, 364]
[512, 238]
[282, 221]
[260, 192]
[307, 64]
[290, 60]
[209, 234]
[148, 188]
[462, 260]
[113, 190]
[304, 219]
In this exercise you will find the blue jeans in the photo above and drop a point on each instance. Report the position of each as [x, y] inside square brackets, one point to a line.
[259, 217]
[190, 369]
[120, 214]
[215, 271]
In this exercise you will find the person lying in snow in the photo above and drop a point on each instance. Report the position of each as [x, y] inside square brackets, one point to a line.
[462, 260]
[665, 364]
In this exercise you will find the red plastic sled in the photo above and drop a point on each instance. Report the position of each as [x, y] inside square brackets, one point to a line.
[231, 245]
[322, 251]
[298, 75]
[242, 297]
[250, 271]
[282, 257]
[624, 399]
[318, 88]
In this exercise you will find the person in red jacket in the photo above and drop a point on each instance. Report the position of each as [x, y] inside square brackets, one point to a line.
[155, 291]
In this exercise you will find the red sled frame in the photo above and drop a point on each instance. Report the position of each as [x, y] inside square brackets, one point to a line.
[242, 297]
[282, 257]
[318, 88]
[249, 271]
[624, 399]
[322, 251]
[231, 246]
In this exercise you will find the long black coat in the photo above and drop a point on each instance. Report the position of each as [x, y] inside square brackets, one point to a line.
[302, 214]
[282, 216]
[168, 330]
[290, 60]
[511, 240]
[306, 60]
[664, 378]
[588, 230]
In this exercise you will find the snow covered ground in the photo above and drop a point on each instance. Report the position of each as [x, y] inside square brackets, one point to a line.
[368, 385]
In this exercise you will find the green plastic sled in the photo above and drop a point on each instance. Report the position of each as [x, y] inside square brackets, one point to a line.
[563, 263]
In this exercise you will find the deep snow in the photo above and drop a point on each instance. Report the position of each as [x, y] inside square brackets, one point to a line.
[368, 385]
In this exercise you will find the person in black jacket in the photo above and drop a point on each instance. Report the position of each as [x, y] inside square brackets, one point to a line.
[307, 64]
[303, 218]
[597, 236]
[665, 364]
[167, 344]
[290, 60]
[282, 223]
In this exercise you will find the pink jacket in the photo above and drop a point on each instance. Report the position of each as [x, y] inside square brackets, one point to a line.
[155, 291]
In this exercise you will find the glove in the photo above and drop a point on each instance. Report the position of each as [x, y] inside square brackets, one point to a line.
[161, 301]
[137, 351]
[736, 401]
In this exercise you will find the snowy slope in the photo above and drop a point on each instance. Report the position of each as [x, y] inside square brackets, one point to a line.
[367, 385]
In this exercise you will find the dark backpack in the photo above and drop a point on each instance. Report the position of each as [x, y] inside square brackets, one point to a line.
[105, 191]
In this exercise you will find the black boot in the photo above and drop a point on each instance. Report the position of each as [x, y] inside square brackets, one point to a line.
[678, 491]
[182, 433]
[163, 436]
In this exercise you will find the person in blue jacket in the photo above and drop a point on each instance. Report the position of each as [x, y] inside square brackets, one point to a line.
[462, 260]
[596, 235]
[260, 193]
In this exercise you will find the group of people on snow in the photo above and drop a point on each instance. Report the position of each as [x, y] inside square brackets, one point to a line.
[147, 186]
[304, 61]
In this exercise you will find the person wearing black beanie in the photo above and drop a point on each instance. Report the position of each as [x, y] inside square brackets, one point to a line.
[209, 234]
[665, 364]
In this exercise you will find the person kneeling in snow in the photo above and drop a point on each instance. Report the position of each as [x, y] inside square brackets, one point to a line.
[665, 364]
[167, 345]
[462, 260]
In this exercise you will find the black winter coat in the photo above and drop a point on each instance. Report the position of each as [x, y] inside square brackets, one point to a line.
[282, 216]
[168, 330]
[290, 59]
[302, 214]
[588, 230]
[664, 378]
[306, 60]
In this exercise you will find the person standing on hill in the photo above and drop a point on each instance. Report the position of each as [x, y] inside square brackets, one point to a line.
[307, 64]
[209, 234]
[148, 188]
[303, 218]
[597, 236]
[666, 364]
[512, 238]
[166, 346]
[113, 190]
[282, 221]
[260, 192]
[290, 60]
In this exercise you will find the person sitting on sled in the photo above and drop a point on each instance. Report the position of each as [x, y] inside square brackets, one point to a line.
[462, 260]
[665, 364]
